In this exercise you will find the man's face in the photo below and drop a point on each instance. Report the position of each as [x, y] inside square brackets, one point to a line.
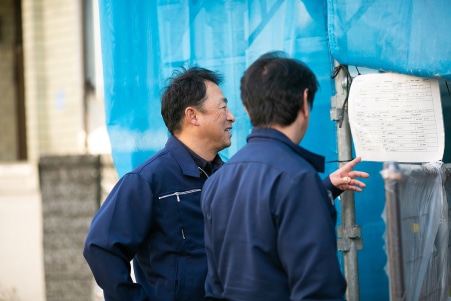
[216, 119]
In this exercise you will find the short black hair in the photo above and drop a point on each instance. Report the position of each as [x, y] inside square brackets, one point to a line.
[272, 89]
[186, 88]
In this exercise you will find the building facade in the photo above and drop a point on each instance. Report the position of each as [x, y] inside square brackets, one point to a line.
[51, 104]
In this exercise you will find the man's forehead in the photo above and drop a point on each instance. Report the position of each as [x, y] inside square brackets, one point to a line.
[216, 101]
[214, 91]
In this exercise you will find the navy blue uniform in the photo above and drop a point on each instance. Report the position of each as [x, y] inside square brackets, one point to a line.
[270, 225]
[152, 216]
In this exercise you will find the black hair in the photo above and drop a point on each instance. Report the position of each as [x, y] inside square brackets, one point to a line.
[186, 88]
[272, 89]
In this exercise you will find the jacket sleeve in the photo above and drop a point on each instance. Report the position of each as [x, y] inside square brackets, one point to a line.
[306, 240]
[116, 232]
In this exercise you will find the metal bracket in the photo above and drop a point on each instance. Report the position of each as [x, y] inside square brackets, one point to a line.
[336, 104]
[348, 237]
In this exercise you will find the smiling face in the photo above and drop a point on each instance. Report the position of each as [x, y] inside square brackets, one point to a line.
[215, 119]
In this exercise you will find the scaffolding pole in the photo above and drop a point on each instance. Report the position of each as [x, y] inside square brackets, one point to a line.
[349, 233]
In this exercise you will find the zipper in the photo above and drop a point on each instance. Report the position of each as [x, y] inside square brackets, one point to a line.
[179, 193]
[203, 172]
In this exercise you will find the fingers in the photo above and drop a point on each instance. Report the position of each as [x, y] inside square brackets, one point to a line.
[349, 183]
[354, 162]
[345, 180]
[355, 173]
[350, 165]
[357, 183]
[358, 174]
[356, 188]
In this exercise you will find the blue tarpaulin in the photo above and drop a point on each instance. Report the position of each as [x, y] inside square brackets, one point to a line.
[144, 41]
[409, 37]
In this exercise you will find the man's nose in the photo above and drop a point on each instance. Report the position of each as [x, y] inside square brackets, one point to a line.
[230, 115]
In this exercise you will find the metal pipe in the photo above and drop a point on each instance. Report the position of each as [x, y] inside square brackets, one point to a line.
[348, 222]
[349, 233]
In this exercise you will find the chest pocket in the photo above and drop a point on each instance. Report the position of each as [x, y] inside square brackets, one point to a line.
[182, 218]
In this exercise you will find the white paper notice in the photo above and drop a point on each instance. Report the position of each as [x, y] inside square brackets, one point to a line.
[396, 117]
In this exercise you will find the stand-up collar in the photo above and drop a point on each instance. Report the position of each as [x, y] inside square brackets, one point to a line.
[188, 161]
[179, 152]
[317, 161]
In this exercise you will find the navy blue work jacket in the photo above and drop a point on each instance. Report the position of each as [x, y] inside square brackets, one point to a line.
[152, 216]
[270, 225]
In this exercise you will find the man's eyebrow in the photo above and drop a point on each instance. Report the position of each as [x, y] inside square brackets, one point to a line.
[225, 100]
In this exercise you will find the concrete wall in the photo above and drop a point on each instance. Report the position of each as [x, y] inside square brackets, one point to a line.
[72, 189]
[21, 253]
[42, 234]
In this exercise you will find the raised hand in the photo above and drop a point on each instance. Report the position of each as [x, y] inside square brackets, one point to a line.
[344, 178]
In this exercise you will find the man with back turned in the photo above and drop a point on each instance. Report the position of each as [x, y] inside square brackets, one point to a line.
[269, 219]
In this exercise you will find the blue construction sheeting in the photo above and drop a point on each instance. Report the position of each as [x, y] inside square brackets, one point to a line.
[144, 41]
[409, 37]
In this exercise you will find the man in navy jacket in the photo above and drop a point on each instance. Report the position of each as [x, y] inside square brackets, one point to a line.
[269, 219]
[153, 214]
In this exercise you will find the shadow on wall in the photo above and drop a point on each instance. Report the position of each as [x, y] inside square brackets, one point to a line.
[8, 294]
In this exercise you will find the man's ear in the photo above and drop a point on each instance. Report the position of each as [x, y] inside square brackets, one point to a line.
[191, 116]
[305, 105]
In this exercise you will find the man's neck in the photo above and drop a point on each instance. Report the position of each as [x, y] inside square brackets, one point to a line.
[290, 131]
[197, 147]
[296, 130]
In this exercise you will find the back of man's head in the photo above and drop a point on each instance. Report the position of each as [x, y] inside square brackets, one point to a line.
[272, 89]
[186, 88]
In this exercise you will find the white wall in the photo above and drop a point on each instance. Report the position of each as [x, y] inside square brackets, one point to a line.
[21, 255]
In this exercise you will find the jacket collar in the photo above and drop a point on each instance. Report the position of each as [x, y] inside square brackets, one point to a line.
[184, 159]
[317, 161]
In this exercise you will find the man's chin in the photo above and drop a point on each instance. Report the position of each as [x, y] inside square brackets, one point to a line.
[227, 144]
